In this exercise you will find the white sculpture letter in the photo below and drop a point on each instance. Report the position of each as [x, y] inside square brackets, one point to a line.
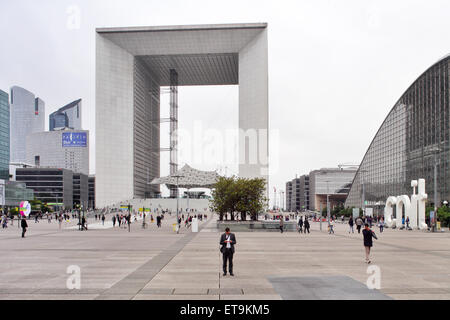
[402, 201]
[421, 204]
[391, 201]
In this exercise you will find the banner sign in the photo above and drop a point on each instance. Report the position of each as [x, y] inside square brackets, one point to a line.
[74, 139]
[355, 212]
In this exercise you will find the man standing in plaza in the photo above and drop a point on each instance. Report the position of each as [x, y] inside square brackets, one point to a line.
[227, 241]
[281, 223]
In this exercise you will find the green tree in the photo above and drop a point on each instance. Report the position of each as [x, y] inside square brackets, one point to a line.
[443, 214]
[239, 196]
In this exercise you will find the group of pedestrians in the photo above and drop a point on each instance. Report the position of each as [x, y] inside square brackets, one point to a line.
[123, 220]
[303, 226]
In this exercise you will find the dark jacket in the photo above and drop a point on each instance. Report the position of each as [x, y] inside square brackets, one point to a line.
[368, 235]
[306, 224]
[224, 244]
[24, 223]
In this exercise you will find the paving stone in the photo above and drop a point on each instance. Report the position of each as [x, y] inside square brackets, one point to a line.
[223, 291]
[190, 291]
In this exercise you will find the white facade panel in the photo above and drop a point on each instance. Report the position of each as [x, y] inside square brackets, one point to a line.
[114, 123]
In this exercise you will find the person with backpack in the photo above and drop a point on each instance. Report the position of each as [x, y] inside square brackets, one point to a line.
[368, 234]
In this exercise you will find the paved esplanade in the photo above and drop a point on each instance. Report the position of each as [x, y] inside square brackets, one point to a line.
[159, 264]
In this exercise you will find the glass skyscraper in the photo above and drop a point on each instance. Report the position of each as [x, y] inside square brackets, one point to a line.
[68, 116]
[27, 116]
[412, 139]
[4, 135]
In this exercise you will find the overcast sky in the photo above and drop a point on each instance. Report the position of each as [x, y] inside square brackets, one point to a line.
[336, 68]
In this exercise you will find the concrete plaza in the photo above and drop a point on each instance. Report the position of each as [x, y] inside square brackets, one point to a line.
[156, 263]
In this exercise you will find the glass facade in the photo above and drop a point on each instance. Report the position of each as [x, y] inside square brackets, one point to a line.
[413, 139]
[49, 185]
[4, 135]
[68, 116]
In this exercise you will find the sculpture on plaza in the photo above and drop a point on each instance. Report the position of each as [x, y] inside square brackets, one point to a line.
[414, 207]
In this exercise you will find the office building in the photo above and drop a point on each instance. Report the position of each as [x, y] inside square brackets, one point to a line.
[50, 185]
[16, 192]
[27, 116]
[91, 195]
[4, 135]
[68, 116]
[289, 196]
[68, 149]
[413, 138]
[297, 194]
[131, 66]
[80, 190]
[332, 182]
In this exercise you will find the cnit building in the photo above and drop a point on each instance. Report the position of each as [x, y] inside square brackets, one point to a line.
[413, 139]
[132, 64]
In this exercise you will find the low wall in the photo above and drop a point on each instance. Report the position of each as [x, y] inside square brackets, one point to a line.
[255, 226]
[201, 205]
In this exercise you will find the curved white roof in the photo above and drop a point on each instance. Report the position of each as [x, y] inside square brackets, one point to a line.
[189, 177]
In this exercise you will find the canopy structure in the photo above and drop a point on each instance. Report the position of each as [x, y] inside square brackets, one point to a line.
[189, 178]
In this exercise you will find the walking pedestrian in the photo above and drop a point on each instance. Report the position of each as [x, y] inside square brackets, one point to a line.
[331, 225]
[306, 225]
[359, 223]
[103, 219]
[114, 221]
[129, 222]
[368, 235]
[281, 223]
[381, 224]
[300, 225]
[350, 223]
[24, 226]
[158, 221]
[227, 241]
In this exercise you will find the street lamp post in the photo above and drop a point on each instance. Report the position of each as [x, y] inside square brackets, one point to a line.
[435, 152]
[328, 203]
[178, 191]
